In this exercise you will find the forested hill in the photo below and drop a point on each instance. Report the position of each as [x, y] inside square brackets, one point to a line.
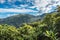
[46, 29]
[17, 20]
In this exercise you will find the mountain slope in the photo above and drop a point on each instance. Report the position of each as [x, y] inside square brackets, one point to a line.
[17, 20]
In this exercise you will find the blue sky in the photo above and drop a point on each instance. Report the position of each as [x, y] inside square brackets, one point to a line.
[33, 7]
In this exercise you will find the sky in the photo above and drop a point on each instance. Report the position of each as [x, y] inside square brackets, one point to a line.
[33, 7]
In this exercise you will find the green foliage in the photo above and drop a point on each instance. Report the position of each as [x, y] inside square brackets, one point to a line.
[27, 32]
[8, 32]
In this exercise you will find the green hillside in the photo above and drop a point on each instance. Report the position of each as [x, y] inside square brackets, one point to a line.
[32, 27]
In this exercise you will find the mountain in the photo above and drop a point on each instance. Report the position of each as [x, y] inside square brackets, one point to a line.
[17, 20]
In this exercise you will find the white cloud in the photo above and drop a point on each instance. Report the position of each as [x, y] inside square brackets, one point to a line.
[2, 1]
[41, 5]
[23, 6]
[16, 10]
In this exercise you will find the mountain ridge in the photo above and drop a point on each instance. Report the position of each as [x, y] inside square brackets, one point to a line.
[17, 20]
